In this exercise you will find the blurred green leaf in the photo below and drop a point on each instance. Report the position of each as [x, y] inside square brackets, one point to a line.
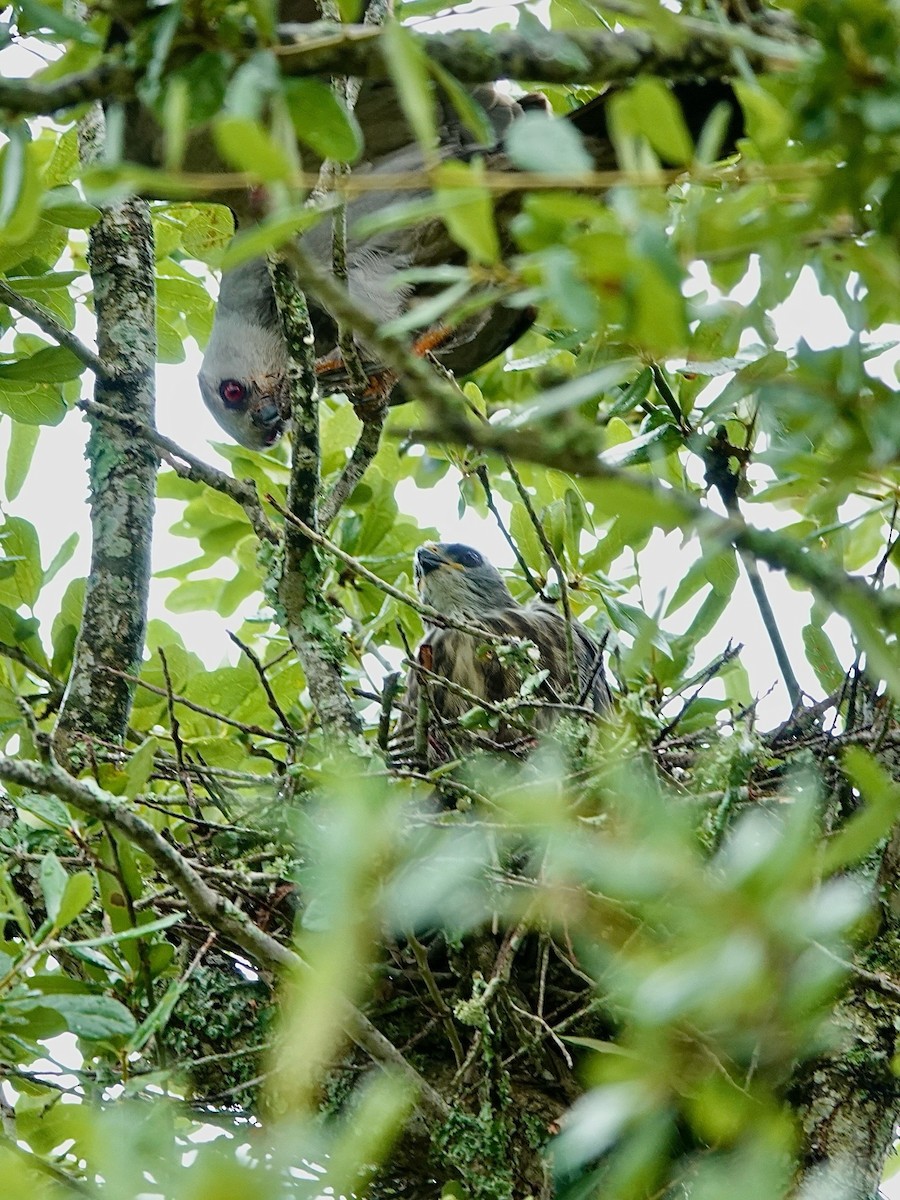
[322, 119]
[538, 142]
[247, 146]
[22, 442]
[409, 70]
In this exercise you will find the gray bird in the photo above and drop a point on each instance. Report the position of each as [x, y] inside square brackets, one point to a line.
[243, 372]
[459, 582]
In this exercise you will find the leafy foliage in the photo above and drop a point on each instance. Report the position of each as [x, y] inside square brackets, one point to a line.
[628, 962]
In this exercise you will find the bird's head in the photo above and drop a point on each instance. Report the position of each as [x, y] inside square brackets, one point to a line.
[243, 385]
[244, 371]
[458, 581]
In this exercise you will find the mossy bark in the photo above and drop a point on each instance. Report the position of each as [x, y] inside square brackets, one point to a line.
[122, 473]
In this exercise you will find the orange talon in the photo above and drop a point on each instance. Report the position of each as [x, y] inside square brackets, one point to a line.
[382, 379]
[432, 339]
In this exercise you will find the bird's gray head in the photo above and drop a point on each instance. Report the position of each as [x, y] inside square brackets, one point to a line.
[244, 371]
[458, 581]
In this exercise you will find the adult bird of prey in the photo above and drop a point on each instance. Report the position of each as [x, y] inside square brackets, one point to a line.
[242, 378]
[460, 583]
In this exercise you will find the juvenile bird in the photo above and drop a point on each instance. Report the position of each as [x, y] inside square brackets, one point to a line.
[460, 583]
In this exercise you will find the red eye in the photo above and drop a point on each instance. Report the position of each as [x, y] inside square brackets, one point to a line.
[233, 392]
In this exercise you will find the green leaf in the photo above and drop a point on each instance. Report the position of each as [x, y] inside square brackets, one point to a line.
[19, 542]
[64, 206]
[55, 364]
[47, 808]
[645, 448]
[470, 113]
[874, 820]
[51, 291]
[209, 228]
[571, 394]
[124, 935]
[538, 142]
[821, 656]
[20, 187]
[633, 395]
[36, 16]
[53, 884]
[61, 557]
[690, 583]
[322, 119]
[269, 234]
[657, 115]
[22, 442]
[139, 768]
[247, 146]
[468, 210]
[78, 893]
[95, 1018]
[408, 65]
[32, 404]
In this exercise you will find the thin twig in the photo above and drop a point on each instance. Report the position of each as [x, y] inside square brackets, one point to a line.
[242, 492]
[18, 655]
[175, 727]
[263, 679]
[703, 679]
[886, 986]
[571, 664]
[51, 326]
[363, 452]
[769, 620]
[421, 956]
[253, 730]
[485, 480]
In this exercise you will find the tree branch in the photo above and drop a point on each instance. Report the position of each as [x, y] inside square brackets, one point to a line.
[122, 472]
[29, 97]
[573, 56]
[309, 619]
[472, 55]
[209, 905]
[50, 325]
[188, 466]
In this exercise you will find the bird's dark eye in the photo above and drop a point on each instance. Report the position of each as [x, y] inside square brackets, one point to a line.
[466, 556]
[233, 392]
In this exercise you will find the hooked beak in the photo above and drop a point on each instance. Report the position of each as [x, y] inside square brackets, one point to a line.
[427, 560]
[266, 416]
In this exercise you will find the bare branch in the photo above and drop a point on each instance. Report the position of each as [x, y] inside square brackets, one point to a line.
[572, 56]
[51, 326]
[188, 466]
[363, 452]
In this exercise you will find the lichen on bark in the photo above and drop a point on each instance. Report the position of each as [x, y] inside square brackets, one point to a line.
[121, 470]
[308, 617]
